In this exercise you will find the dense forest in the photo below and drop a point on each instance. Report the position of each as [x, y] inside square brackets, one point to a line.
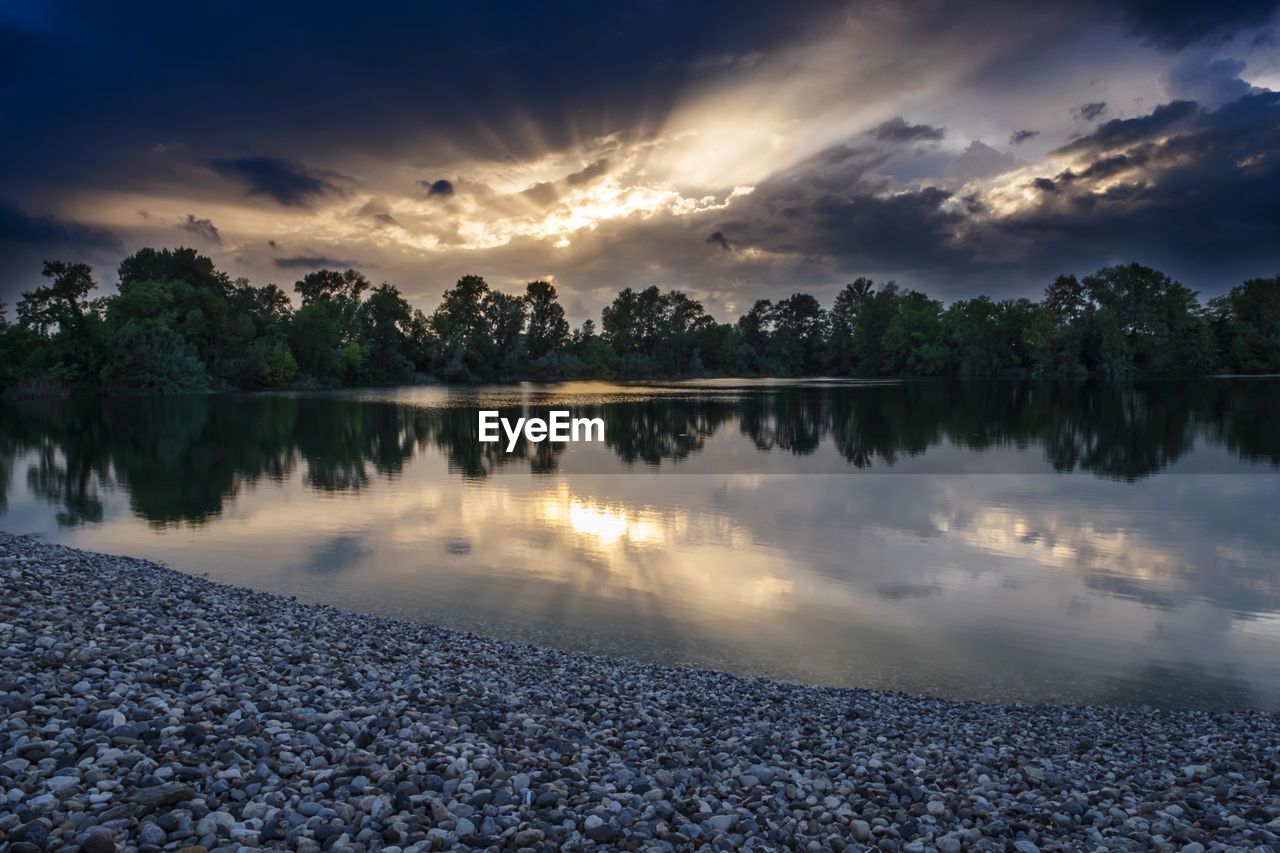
[177, 324]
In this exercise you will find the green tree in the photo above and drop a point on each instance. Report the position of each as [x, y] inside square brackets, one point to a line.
[324, 335]
[683, 323]
[913, 343]
[871, 325]
[68, 323]
[593, 353]
[479, 331]
[20, 352]
[1160, 319]
[1115, 355]
[421, 345]
[269, 363]
[201, 310]
[630, 322]
[548, 331]
[504, 316]
[756, 329]
[841, 353]
[655, 333]
[721, 349]
[1066, 300]
[315, 337]
[969, 326]
[799, 335]
[1058, 331]
[332, 285]
[262, 317]
[386, 323]
[147, 353]
[1246, 322]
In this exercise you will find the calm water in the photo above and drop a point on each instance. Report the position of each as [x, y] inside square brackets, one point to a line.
[998, 540]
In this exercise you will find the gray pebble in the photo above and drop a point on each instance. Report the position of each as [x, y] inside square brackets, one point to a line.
[141, 704]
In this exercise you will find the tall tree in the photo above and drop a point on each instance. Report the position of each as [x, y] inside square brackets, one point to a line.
[548, 330]
[1247, 325]
[913, 343]
[386, 320]
[62, 314]
[464, 336]
[327, 284]
[61, 305]
[844, 313]
[799, 335]
[504, 316]
[148, 353]
[871, 324]
[655, 333]
[1160, 319]
[324, 335]
[199, 295]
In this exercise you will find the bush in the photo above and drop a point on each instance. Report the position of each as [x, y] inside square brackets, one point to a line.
[151, 358]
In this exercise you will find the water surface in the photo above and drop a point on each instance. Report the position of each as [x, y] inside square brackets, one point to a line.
[1040, 542]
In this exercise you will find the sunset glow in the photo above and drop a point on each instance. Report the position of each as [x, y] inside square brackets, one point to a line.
[796, 145]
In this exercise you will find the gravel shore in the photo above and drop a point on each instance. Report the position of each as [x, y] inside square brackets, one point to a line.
[148, 709]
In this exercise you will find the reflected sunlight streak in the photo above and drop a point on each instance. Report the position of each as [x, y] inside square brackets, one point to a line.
[607, 525]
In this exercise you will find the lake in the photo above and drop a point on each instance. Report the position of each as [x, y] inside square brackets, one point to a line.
[1073, 542]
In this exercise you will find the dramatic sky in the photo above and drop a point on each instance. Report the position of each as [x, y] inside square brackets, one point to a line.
[733, 150]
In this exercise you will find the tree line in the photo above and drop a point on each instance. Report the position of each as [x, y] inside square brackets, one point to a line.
[178, 324]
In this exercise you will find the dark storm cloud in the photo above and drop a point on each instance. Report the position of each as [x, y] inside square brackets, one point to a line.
[27, 241]
[897, 130]
[1191, 189]
[1126, 131]
[908, 230]
[201, 228]
[309, 83]
[289, 183]
[1091, 111]
[357, 92]
[1197, 189]
[1101, 169]
[835, 206]
[439, 187]
[717, 238]
[314, 262]
[18, 227]
[1172, 24]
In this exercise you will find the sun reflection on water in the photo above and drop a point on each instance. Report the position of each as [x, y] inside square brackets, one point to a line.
[606, 524]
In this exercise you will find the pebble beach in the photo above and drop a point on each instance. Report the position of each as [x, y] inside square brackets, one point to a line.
[146, 709]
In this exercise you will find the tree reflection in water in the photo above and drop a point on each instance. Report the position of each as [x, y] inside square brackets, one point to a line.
[180, 459]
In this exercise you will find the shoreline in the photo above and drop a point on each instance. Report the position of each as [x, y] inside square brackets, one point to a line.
[651, 381]
[145, 708]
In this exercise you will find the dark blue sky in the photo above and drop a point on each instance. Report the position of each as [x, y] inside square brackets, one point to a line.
[733, 150]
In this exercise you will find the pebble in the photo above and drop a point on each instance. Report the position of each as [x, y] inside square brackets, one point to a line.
[144, 708]
[98, 841]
